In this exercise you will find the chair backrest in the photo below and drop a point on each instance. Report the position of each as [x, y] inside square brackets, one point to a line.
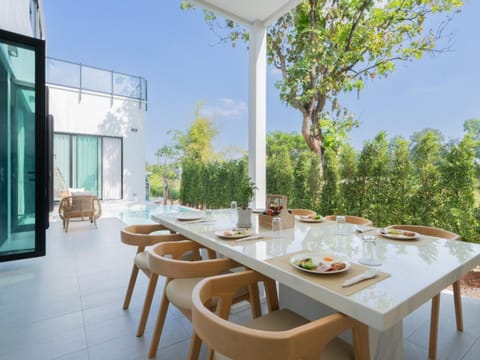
[168, 259]
[242, 343]
[351, 220]
[302, 212]
[80, 205]
[141, 235]
[427, 231]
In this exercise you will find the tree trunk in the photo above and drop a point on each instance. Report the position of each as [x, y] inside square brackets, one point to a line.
[314, 142]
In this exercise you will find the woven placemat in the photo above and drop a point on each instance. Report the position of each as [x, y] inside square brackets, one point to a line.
[330, 281]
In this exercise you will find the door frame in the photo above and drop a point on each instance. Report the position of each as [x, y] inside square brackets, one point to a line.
[41, 131]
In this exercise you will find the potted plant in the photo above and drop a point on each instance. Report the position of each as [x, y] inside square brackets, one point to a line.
[246, 191]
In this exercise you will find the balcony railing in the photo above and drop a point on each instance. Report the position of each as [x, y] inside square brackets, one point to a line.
[89, 78]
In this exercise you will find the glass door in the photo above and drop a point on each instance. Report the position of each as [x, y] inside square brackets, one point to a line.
[23, 155]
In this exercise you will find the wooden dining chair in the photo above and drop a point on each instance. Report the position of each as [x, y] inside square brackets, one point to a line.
[356, 220]
[302, 212]
[167, 259]
[457, 296]
[142, 236]
[280, 334]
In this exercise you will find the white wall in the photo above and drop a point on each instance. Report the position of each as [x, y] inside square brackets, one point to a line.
[15, 17]
[95, 114]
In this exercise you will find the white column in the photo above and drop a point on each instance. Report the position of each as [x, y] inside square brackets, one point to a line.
[257, 111]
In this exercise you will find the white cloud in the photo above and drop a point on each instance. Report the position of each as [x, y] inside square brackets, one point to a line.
[224, 108]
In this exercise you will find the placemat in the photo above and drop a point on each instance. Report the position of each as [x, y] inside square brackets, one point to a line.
[333, 281]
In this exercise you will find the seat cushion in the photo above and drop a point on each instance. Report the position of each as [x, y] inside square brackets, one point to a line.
[179, 292]
[285, 319]
[141, 261]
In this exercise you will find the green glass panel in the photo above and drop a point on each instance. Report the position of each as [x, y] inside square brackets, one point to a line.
[17, 149]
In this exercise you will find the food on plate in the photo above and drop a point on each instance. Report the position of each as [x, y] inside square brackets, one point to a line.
[317, 217]
[327, 265]
[306, 263]
[399, 232]
[236, 232]
[336, 266]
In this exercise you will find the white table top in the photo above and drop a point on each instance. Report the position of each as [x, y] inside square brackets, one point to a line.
[419, 269]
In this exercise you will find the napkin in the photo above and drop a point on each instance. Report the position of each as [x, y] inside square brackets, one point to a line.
[369, 274]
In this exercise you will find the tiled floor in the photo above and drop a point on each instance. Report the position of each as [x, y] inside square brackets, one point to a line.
[68, 306]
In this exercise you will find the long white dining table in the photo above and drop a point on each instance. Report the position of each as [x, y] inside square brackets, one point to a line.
[418, 269]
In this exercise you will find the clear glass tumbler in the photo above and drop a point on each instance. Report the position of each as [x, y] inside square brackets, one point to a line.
[369, 251]
[276, 226]
[233, 212]
[341, 225]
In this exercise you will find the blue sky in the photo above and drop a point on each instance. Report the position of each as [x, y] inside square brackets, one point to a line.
[184, 64]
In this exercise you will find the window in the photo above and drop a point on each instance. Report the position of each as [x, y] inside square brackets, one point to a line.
[93, 163]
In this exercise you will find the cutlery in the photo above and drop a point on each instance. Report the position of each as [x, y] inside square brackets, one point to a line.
[362, 229]
[369, 274]
[251, 237]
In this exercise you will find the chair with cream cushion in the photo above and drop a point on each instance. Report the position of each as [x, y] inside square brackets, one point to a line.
[281, 334]
[167, 259]
[356, 220]
[142, 236]
[457, 296]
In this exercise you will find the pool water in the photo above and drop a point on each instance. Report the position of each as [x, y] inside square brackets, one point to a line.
[141, 214]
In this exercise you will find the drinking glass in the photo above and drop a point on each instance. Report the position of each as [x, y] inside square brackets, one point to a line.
[369, 251]
[209, 215]
[276, 227]
[341, 225]
[233, 211]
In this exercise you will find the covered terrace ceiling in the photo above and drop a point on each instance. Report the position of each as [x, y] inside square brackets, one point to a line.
[249, 12]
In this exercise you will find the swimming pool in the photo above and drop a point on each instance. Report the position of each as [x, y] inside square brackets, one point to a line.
[141, 214]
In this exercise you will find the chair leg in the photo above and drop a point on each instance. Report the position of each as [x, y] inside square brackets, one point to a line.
[162, 314]
[361, 345]
[131, 285]
[152, 284]
[457, 298]
[195, 345]
[434, 319]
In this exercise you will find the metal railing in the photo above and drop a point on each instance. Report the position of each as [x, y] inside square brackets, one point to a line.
[89, 78]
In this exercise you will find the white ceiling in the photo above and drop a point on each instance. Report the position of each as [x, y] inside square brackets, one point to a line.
[248, 12]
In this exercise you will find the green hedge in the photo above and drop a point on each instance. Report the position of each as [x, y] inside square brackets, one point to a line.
[422, 181]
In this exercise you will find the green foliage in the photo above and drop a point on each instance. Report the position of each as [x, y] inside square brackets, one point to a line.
[280, 173]
[215, 184]
[196, 142]
[426, 155]
[330, 197]
[423, 181]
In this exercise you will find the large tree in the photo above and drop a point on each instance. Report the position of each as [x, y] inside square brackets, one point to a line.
[325, 47]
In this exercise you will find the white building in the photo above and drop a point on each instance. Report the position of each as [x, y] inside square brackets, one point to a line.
[98, 117]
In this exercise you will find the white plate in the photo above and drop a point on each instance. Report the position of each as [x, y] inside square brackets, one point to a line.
[401, 236]
[224, 235]
[317, 259]
[190, 216]
[310, 220]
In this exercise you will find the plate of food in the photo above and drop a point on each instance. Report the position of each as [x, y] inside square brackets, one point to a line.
[236, 233]
[190, 216]
[319, 263]
[311, 219]
[397, 234]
